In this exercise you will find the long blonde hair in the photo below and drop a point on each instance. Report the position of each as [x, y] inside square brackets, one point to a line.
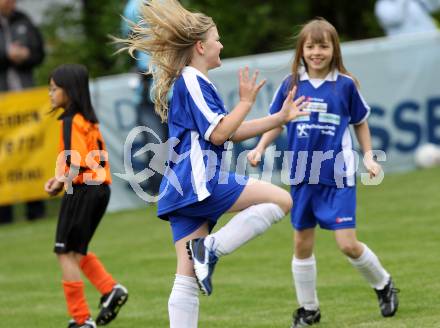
[166, 32]
[318, 29]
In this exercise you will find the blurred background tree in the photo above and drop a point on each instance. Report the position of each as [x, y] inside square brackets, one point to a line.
[78, 32]
[250, 27]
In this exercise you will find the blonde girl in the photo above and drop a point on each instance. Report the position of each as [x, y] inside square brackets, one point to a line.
[195, 191]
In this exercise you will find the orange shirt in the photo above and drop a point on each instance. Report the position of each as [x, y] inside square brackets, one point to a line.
[88, 152]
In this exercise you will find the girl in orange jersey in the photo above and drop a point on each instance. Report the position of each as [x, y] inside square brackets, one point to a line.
[85, 176]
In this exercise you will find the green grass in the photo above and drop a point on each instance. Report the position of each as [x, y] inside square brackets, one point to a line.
[399, 220]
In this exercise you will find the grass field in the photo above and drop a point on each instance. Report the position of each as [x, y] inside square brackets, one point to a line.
[399, 220]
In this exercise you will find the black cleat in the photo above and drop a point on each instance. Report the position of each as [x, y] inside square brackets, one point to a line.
[88, 324]
[388, 301]
[204, 263]
[110, 304]
[305, 318]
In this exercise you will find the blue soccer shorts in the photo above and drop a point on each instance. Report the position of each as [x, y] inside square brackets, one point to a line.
[331, 207]
[188, 219]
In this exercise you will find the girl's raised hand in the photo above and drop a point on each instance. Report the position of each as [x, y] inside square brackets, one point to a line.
[292, 109]
[248, 87]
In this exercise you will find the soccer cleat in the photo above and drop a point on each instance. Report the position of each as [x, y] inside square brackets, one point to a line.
[305, 318]
[88, 324]
[204, 263]
[388, 301]
[110, 304]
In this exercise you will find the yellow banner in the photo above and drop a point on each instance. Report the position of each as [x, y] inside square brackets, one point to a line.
[28, 145]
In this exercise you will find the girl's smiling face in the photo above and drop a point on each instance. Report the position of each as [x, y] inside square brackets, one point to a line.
[318, 56]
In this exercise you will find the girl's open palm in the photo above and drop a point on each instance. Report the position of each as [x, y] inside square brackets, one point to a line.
[292, 109]
[248, 88]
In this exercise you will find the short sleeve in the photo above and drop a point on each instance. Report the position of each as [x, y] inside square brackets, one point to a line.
[74, 140]
[279, 96]
[204, 105]
[359, 109]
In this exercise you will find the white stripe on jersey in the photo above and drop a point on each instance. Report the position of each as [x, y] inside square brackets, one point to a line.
[359, 92]
[366, 106]
[212, 126]
[193, 86]
[198, 167]
[347, 150]
[363, 101]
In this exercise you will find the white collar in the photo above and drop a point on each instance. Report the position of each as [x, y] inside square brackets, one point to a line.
[193, 70]
[332, 76]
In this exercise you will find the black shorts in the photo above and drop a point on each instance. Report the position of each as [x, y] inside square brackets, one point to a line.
[79, 217]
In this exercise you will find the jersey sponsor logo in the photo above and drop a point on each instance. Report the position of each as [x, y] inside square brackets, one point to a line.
[329, 118]
[315, 99]
[328, 133]
[344, 219]
[302, 129]
[315, 105]
[302, 119]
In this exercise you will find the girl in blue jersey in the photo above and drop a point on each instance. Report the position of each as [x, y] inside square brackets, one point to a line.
[195, 191]
[322, 170]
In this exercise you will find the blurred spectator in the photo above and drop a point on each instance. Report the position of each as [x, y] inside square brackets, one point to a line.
[21, 50]
[406, 16]
[146, 115]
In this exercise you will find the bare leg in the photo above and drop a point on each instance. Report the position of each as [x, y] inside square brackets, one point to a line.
[362, 258]
[304, 241]
[348, 243]
[183, 304]
[69, 263]
[369, 266]
[258, 192]
[184, 264]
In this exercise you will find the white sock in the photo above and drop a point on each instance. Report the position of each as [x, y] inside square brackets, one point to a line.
[244, 226]
[304, 277]
[369, 266]
[183, 304]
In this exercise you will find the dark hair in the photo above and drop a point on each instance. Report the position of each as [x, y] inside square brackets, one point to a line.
[74, 80]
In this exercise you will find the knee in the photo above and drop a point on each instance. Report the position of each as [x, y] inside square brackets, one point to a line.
[285, 202]
[350, 249]
[67, 257]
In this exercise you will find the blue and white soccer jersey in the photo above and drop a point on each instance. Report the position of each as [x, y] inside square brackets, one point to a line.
[194, 163]
[321, 144]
